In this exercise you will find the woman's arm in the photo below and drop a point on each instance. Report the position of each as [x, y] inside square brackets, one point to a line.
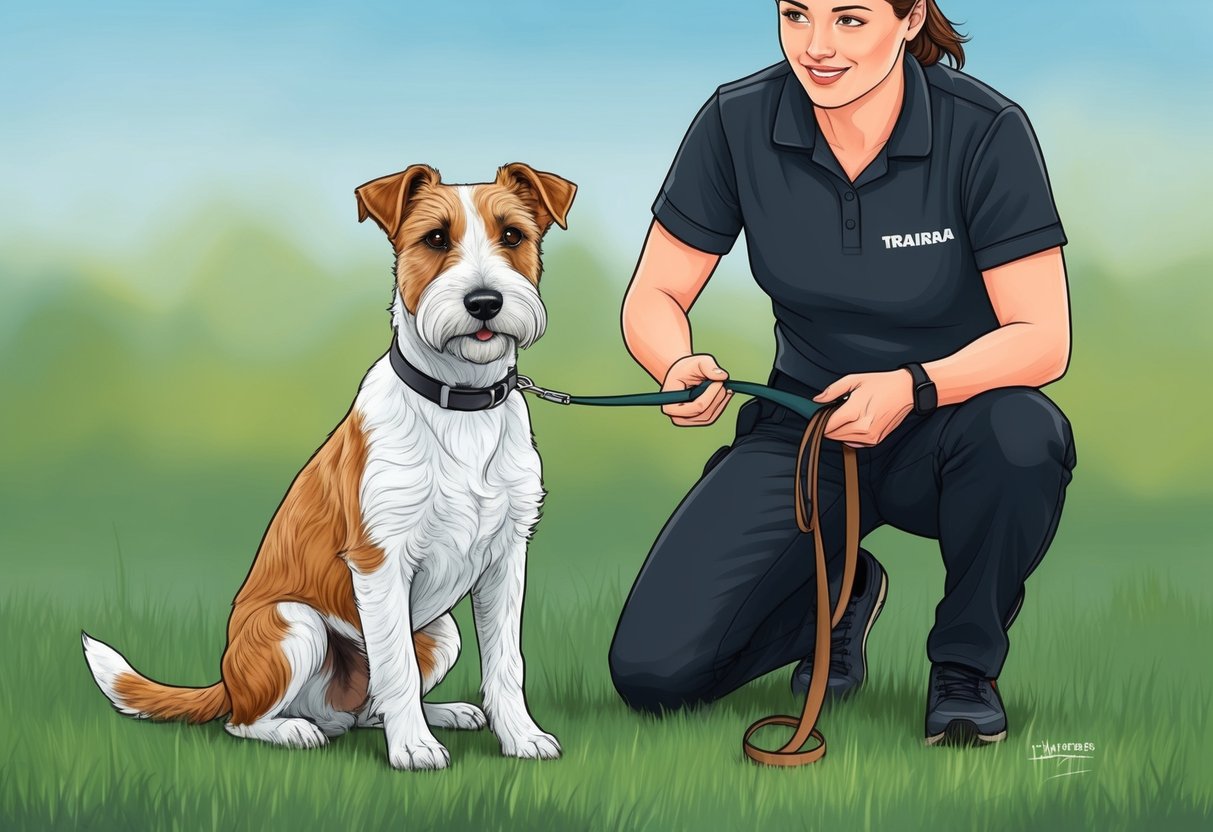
[1030, 348]
[668, 279]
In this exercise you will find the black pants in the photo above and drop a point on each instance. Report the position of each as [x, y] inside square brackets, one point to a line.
[723, 595]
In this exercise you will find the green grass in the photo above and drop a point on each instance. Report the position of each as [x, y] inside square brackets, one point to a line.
[1105, 659]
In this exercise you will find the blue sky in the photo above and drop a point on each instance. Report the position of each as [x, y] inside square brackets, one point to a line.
[122, 118]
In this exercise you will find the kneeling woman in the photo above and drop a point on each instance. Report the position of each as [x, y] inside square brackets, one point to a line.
[899, 215]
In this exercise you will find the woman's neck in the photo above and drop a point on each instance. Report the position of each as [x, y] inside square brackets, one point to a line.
[867, 122]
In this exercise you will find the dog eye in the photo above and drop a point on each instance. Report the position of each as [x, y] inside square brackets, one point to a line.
[511, 237]
[436, 239]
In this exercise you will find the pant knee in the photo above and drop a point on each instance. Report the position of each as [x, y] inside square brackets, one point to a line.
[655, 686]
[1014, 428]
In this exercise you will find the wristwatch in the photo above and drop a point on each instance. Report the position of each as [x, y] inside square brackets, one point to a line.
[925, 397]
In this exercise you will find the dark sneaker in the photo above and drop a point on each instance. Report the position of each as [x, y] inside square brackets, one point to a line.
[849, 640]
[963, 707]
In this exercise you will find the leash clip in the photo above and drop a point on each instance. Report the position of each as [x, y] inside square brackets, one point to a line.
[525, 384]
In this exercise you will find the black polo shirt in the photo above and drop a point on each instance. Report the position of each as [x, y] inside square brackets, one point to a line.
[869, 275]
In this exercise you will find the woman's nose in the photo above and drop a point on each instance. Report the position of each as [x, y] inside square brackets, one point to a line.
[821, 44]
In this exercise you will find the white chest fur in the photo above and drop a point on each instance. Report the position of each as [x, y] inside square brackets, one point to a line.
[444, 493]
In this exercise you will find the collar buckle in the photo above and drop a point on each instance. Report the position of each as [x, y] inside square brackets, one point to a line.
[498, 392]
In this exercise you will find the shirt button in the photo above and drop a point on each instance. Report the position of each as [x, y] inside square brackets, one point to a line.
[850, 197]
[850, 223]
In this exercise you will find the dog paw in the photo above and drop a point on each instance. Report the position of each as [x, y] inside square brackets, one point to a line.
[303, 734]
[536, 746]
[419, 755]
[290, 733]
[460, 715]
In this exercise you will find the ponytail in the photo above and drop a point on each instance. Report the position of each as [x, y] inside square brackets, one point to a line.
[938, 36]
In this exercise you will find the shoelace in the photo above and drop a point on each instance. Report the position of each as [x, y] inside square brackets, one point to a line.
[840, 644]
[957, 684]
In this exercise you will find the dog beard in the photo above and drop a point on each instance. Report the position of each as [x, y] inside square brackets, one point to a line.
[445, 325]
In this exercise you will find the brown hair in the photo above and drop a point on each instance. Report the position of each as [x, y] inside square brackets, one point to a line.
[938, 36]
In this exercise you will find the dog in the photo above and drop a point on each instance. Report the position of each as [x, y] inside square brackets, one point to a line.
[428, 490]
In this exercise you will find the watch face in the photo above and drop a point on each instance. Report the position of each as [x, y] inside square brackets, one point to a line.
[925, 397]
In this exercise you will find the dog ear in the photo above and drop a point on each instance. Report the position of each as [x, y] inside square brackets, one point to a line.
[384, 199]
[552, 195]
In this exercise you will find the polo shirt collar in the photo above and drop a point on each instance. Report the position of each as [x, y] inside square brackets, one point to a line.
[796, 125]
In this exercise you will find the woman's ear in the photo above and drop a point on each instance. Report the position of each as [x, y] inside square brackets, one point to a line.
[917, 19]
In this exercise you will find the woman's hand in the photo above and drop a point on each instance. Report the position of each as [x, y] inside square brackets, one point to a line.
[705, 408]
[876, 404]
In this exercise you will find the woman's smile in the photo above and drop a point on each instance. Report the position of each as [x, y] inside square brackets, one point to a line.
[825, 75]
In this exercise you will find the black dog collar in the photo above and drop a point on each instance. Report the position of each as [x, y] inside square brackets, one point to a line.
[444, 395]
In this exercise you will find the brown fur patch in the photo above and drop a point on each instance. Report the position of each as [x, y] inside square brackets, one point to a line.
[255, 669]
[386, 199]
[157, 701]
[426, 647]
[549, 194]
[303, 557]
[317, 528]
[503, 207]
[433, 208]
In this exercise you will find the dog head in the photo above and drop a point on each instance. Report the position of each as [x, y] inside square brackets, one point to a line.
[468, 256]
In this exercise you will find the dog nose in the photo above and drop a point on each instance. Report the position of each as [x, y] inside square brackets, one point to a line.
[483, 304]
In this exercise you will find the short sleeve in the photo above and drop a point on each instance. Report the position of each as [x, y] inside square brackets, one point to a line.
[1008, 200]
[698, 201]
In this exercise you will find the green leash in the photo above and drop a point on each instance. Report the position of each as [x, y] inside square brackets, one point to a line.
[797, 404]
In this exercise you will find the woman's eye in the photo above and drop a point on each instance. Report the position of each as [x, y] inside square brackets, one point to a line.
[794, 16]
[847, 20]
[436, 239]
[511, 236]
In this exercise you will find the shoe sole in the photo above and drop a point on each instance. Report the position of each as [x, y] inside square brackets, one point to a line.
[962, 732]
[863, 646]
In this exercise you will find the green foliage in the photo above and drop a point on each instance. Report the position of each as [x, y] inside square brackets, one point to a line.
[227, 340]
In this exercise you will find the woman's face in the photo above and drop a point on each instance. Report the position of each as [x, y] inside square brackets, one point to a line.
[839, 49]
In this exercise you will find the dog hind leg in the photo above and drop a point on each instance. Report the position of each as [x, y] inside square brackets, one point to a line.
[270, 661]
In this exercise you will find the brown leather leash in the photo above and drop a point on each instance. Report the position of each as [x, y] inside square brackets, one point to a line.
[817, 414]
[806, 725]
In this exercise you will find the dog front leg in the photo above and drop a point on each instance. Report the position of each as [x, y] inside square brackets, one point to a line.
[497, 609]
[395, 679]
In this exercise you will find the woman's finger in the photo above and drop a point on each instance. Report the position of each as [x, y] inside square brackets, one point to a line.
[846, 414]
[721, 407]
[696, 406]
[704, 416]
[690, 370]
[711, 415]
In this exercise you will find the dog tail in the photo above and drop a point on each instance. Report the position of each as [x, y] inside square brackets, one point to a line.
[142, 698]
